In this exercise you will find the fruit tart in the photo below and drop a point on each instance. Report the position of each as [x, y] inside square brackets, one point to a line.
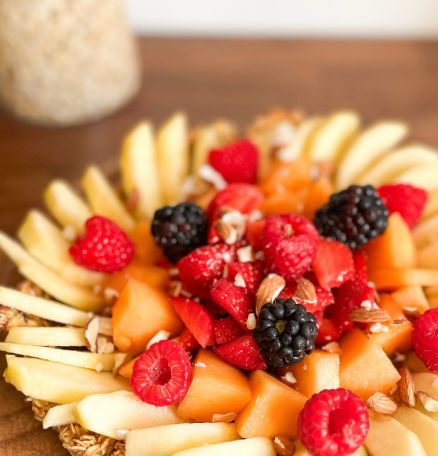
[258, 293]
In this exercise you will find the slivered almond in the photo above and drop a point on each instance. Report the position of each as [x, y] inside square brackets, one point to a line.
[284, 445]
[332, 347]
[175, 288]
[227, 232]
[406, 387]
[96, 328]
[268, 290]
[245, 254]
[429, 403]
[361, 315]
[104, 345]
[381, 403]
[305, 292]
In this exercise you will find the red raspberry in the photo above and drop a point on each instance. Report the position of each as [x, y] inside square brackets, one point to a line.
[251, 273]
[243, 353]
[333, 422]
[226, 330]
[324, 298]
[290, 243]
[187, 341]
[162, 375]
[425, 339]
[238, 162]
[407, 200]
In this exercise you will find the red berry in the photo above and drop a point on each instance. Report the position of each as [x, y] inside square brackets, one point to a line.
[425, 339]
[233, 299]
[104, 247]
[361, 265]
[187, 341]
[254, 234]
[226, 330]
[333, 422]
[250, 273]
[196, 318]
[162, 375]
[243, 353]
[327, 332]
[407, 200]
[237, 162]
[324, 298]
[333, 264]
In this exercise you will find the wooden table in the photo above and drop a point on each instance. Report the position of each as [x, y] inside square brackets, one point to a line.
[211, 78]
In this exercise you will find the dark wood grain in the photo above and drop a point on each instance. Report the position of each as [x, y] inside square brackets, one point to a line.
[211, 78]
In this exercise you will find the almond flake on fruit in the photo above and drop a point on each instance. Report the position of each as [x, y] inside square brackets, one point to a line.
[99, 367]
[245, 254]
[289, 378]
[332, 347]
[175, 288]
[269, 289]
[284, 445]
[251, 322]
[209, 174]
[200, 364]
[239, 281]
[305, 292]
[97, 326]
[370, 316]
[104, 345]
[227, 232]
[161, 335]
[376, 328]
[381, 403]
[237, 220]
[429, 403]
[224, 417]
[406, 387]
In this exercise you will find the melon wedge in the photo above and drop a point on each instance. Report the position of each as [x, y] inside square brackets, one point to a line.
[391, 279]
[60, 415]
[47, 336]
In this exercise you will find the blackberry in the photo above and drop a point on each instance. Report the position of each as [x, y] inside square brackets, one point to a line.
[353, 216]
[285, 332]
[179, 229]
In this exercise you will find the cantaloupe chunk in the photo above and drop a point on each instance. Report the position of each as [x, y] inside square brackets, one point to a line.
[411, 297]
[127, 368]
[318, 195]
[433, 302]
[318, 371]
[217, 389]
[394, 249]
[428, 256]
[273, 409]
[391, 279]
[287, 177]
[283, 203]
[398, 336]
[146, 250]
[139, 313]
[365, 368]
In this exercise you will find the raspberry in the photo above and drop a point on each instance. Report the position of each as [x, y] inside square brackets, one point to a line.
[333, 423]
[249, 273]
[324, 298]
[226, 330]
[237, 162]
[407, 200]
[104, 247]
[242, 353]
[162, 375]
[425, 339]
[290, 243]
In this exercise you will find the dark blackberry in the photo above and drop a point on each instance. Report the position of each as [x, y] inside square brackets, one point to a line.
[179, 229]
[353, 216]
[285, 332]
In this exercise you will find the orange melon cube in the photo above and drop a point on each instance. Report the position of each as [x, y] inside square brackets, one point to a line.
[394, 249]
[411, 297]
[391, 279]
[139, 313]
[317, 371]
[216, 389]
[146, 250]
[284, 203]
[319, 194]
[273, 409]
[365, 368]
[287, 177]
[126, 369]
[398, 336]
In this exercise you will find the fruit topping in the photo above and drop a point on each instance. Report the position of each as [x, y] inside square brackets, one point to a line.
[285, 332]
[179, 229]
[333, 422]
[425, 339]
[353, 216]
[243, 353]
[187, 341]
[162, 375]
[104, 247]
[226, 330]
[246, 275]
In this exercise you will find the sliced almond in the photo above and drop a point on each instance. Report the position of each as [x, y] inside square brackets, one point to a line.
[406, 387]
[251, 322]
[227, 232]
[289, 378]
[245, 254]
[284, 445]
[381, 403]
[175, 288]
[268, 290]
[362, 315]
[224, 417]
[96, 327]
[429, 403]
[332, 347]
[239, 281]
[104, 345]
[305, 293]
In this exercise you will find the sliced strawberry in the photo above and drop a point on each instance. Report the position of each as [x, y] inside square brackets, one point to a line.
[226, 330]
[188, 342]
[327, 332]
[249, 273]
[254, 234]
[361, 265]
[196, 318]
[333, 264]
[243, 353]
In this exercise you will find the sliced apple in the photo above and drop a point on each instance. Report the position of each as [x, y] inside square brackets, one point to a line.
[426, 232]
[167, 440]
[398, 162]
[257, 446]
[59, 383]
[431, 208]
[424, 176]
[47, 336]
[108, 413]
[60, 415]
[43, 308]
[45, 241]
[374, 143]
[68, 209]
[333, 136]
[173, 156]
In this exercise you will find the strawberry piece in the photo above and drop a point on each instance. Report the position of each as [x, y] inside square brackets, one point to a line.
[237, 162]
[243, 353]
[254, 234]
[361, 265]
[327, 332]
[407, 200]
[196, 318]
[250, 273]
[333, 264]
[187, 341]
[161, 376]
[233, 299]
[324, 298]
[104, 247]
[226, 330]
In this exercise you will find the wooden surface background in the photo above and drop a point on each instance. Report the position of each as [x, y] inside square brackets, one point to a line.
[208, 79]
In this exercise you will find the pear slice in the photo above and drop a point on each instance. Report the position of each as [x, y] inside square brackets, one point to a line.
[426, 232]
[139, 171]
[107, 414]
[60, 415]
[374, 143]
[68, 209]
[45, 241]
[424, 176]
[173, 156]
[47, 336]
[398, 162]
[43, 308]
[59, 383]
[257, 446]
[54, 285]
[167, 440]
[333, 135]
[388, 437]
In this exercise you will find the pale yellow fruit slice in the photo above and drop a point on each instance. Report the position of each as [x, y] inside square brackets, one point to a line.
[428, 256]
[426, 232]
[426, 382]
[60, 415]
[47, 336]
[431, 208]
[303, 135]
[425, 176]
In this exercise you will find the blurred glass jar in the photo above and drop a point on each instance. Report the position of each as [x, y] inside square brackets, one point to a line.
[64, 62]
